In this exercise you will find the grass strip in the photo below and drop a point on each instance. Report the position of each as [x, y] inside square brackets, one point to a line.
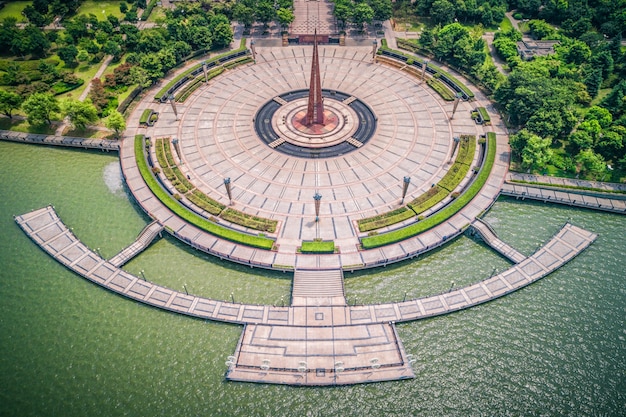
[202, 223]
[414, 229]
[485, 116]
[318, 246]
[145, 116]
[441, 89]
[205, 202]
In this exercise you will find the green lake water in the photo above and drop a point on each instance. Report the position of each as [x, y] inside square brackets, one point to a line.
[71, 348]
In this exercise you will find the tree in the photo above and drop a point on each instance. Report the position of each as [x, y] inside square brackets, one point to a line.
[265, 12]
[442, 12]
[140, 76]
[545, 123]
[343, 11]
[98, 95]
[116, 122]
[593, 81]
[537, 152]
[112, 48]
[602, 115]
[285, 17]
[222, 35]
[590, 163]
[9, 101]
[243, 14]
[79, 113]
[68, 54]
[361, 14]
[382, 9]
[34, 16]
[40, 108]
[82, 55]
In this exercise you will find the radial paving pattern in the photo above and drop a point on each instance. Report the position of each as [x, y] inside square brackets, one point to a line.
[413, 137]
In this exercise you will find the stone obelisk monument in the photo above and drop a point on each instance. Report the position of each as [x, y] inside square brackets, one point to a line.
[315, 108]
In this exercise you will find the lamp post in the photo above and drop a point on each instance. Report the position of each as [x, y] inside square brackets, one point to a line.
[173, 103]
[374, 47]
[405, 186]
[253, 49]
[206, 73]
[228, 190]
[457, 98]
[424, 66]
[177, 149]
[317, 197]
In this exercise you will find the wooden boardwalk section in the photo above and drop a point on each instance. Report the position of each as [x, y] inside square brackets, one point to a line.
[66, 141]
[145, 238]
[489, 236]
[564, 196]
[305, 344]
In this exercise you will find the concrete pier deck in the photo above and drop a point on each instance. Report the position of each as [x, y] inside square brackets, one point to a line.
[565, 196]
[66, 141]
[330, 331]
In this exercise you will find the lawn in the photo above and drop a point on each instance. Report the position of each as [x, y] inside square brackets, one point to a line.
[86, 72]
[157, 15]
[14, 9]
[505, 24]
[100, 8]
[21, 125]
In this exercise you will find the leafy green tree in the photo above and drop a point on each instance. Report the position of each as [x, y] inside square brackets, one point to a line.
[541, 30]
[590, 163]
[537, 152]
[79, 113]
[265, 12]
[116, 122]
[40, 108]
[123, 7]
[68, 55]
[41, 6]
[602, 115]
[140, 76]
[581, 140]
[611, 142]
[243, 14]
[112, 48]
[615, 101]
[34, 16]
[382, 9]
[200, 37]
[9, 101]
[222, 35]
[285, 17]
[545, 123]
[576, 52]
[343, 11]
[361, 14]
[442, 12]
[151, 41]
[82, 55]
[593, 81]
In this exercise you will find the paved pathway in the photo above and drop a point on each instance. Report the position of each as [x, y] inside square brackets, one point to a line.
[540, 180]
[216, 142]
[145, 238]
[311, 16]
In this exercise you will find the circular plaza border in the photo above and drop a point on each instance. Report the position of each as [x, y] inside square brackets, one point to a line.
[413, 137]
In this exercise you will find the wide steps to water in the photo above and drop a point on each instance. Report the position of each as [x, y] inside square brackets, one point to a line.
[322, 284]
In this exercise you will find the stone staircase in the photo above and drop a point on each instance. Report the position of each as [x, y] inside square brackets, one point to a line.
[147, 235]
[318, 287]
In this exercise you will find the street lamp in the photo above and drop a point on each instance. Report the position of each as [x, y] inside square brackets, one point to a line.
[317, 197]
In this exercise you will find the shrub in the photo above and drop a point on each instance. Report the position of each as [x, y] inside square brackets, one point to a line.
[247, 220]
[318, 246]
[428, 200]
[385, 219]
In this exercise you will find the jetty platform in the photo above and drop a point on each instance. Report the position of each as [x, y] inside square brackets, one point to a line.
[320, 341]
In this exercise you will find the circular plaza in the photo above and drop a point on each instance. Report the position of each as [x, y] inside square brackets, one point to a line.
[383, 126]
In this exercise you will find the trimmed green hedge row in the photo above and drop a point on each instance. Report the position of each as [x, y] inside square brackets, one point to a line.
[200, 222]
[206, 203]
[454, 176]
[441, 89]
[484, 115]
[191, 87]
[428, 199]
[467, 148]
[258, 223]
[385, 219]
[398, 235]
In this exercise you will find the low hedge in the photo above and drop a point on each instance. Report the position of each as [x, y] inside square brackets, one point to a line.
[441, 89]
[467, 148]
[398, 235]
[205, 202]
[428, 199]
[318, 246]
[454, 176]
[247, 220]
[148, 10]
[202, 223]
[385, 219]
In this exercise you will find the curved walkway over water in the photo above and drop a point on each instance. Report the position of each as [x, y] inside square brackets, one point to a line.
[307, 344]
[54, 140]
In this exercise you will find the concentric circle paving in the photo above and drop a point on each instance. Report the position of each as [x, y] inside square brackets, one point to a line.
[413, 138]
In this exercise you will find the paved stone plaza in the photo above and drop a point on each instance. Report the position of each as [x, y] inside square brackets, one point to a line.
[413, 138]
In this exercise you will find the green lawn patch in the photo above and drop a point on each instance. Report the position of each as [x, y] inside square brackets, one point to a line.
[318, 246]
[398, 235]
[170, 202]
[441, 89]
[385, 219]
[14, 9]
[101, 9]
[21, 125]
[484, 115]
[145, 116]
